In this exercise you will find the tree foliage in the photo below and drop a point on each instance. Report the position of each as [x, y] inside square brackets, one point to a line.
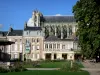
[87, 15]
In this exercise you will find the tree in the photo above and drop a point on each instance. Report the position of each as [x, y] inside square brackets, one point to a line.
[87, 15]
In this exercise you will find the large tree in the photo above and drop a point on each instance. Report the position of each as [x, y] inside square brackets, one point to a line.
[87, 15]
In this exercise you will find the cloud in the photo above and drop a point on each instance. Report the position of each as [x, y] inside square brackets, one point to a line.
[58, 15]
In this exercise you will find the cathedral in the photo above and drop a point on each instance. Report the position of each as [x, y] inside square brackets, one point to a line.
[43, 37]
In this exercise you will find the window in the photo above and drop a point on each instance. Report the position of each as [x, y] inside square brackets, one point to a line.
[15, 56]
[63, 46]
[37, 47]
[58, 46]
[54, 46]
[37, 40]
[33, 48]
[50, 45]
[46, 45]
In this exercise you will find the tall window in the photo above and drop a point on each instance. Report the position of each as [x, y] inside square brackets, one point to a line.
[63, 46]
[46, 45]
[37, 40]
[50, 45]
[33, 47]
[38, 47]
[58, 46]
[54, 46]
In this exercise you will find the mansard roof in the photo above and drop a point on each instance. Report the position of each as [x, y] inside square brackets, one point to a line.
[33, 28]
[54, 38]
[16, 33]
[59, 19]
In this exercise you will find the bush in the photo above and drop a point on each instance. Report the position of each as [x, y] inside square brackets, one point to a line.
[67, 67]
[17, 67]
[15, 60]
[3, 70]
[75, 67]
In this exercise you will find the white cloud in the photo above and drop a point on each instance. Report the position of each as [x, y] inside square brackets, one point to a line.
[58, 15]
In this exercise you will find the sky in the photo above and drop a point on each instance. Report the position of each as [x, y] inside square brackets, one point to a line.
[16, 12]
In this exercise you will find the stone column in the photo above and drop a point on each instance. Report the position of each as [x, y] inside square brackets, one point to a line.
[55, 31]
[61, 32]
[52, 56]
[44, 56]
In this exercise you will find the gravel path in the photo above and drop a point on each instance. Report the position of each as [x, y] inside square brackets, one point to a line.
[92, 68]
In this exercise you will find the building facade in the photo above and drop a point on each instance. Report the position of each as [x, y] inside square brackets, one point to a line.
[44, 37]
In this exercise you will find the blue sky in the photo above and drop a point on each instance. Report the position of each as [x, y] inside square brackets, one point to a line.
[16, 12]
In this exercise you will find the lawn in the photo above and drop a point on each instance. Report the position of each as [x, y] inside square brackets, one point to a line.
[46, 64]
[52, 72]
[49, 64]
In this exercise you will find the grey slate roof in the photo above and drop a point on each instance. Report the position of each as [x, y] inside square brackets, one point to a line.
[33, 28]
[54, 38]
[59, 19]
[16, 33]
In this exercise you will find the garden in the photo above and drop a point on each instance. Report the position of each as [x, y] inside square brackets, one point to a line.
[20, 68]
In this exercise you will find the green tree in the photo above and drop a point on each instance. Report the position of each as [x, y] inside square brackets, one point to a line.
[87, 15]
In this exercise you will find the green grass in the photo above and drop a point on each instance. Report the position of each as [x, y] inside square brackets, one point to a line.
[52, 64]
[54, 72]
[49, 64]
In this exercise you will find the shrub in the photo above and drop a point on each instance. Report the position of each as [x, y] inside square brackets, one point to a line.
[75, 67]
[3, 70]
[17, 67]
[67, 67]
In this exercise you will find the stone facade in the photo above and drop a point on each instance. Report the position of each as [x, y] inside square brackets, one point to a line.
[58, 50]
[44, 37]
